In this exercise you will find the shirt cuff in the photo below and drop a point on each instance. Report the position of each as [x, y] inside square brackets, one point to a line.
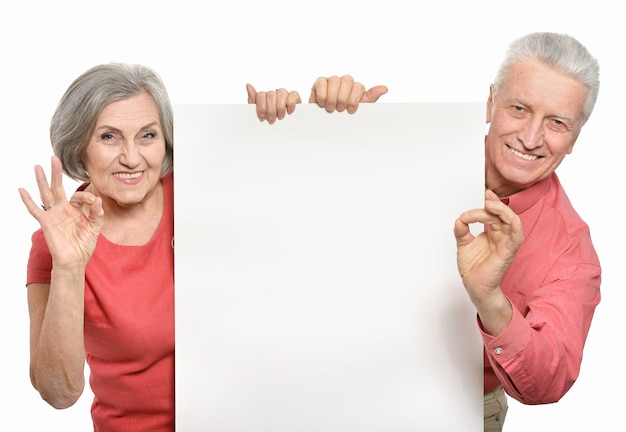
[511, 342]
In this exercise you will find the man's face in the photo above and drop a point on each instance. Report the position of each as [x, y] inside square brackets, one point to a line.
[535, 116]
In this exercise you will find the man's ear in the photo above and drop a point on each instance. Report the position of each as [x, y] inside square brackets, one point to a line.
[489, 104]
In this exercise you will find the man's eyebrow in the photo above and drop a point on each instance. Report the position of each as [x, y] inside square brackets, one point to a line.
[557, 115]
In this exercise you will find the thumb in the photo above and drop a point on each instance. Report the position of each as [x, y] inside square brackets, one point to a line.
[251, 93]
[462, 233]
[374, 93]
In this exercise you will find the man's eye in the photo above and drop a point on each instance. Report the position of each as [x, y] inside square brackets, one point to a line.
[560, 126]
[518, 108]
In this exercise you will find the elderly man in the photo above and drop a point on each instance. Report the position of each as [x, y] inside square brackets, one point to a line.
[533, 274]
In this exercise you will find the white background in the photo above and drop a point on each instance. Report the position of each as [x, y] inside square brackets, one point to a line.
[207, 51]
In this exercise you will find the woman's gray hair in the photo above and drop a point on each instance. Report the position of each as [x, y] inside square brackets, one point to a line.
[78, 110]
[561, 52]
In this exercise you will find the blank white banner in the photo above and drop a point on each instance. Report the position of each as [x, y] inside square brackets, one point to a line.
[315, 266]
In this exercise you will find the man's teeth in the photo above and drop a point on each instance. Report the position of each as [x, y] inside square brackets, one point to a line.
[128, 175]
[523, 155]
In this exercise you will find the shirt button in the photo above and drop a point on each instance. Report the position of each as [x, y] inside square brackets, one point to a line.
[498, 350]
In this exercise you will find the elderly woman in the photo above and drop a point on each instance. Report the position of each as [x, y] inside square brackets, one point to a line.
[101, 268]
[100, 274]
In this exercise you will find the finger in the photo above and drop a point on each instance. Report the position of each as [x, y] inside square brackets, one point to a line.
[96, 211]
[292, 100]
[30, 204]
[58, 191]
[89, 205]
[270, 113]
[490, 214]
[81, 198]
[45, 194]
[319, 91]
[462, 233]
[494, 205]
[251, 93]
[478, 216]
[332, 92]
[346, 84]
[358, 90]
[508, 219]
[261, 105]
[374, 93]
[281, 103]
[517, 233]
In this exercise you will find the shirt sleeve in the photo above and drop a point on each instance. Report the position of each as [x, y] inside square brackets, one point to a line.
[39, 260]
[537, 358]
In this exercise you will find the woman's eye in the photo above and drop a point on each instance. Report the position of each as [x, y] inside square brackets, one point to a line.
[106, 136]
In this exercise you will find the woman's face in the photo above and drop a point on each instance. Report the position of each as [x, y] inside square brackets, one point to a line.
[126, 151]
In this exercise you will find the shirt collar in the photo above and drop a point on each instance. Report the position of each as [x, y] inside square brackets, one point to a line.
[521, 201]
